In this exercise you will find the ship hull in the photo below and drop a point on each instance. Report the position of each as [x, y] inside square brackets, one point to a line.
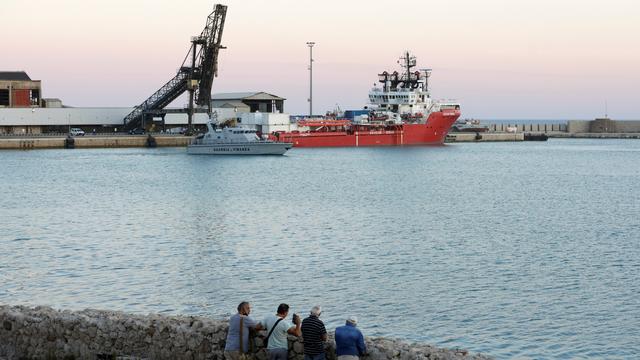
[433, 132]
[262, 148]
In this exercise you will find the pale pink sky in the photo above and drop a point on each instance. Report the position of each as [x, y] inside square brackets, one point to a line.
[538, 59]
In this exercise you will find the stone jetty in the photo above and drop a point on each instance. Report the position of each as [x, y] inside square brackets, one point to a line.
[46, 333]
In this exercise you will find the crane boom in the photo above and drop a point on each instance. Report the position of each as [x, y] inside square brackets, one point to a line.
[196, 77]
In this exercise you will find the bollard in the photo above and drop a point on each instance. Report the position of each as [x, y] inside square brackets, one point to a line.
[69, 142]
[151, 141]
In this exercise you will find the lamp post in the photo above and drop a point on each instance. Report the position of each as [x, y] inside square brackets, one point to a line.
[310, 45]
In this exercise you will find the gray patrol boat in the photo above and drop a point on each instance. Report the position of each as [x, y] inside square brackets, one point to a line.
[234, 141]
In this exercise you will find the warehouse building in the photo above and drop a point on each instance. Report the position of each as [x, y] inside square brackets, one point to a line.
[24, 112]
[17, 90]
[249, 102]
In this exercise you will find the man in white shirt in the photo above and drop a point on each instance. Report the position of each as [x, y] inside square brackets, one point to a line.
[277, 330]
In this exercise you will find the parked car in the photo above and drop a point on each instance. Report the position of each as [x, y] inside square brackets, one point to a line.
[76, 132]
[136, 131]
[176, 130]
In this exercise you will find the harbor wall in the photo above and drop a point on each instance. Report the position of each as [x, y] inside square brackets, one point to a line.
[45, 333]
[44, 142]
[484, 137]
[628, 126]
[573, 127]
[578, 126]
[603, 126]
[538, 128]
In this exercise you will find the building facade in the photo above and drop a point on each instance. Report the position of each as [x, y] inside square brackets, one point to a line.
[249, 102]
[17, 90]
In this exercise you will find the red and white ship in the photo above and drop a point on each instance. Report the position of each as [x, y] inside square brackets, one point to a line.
[402, 112]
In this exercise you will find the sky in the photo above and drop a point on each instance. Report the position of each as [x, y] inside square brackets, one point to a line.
[542, 59]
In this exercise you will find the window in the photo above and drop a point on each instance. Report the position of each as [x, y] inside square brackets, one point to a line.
[4, 97]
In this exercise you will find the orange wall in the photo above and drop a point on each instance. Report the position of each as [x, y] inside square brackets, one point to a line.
[20, 98]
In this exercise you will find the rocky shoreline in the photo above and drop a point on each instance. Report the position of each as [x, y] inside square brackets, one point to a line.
[46, 333]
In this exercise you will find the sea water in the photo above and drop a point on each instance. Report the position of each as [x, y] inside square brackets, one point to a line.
[526, 249]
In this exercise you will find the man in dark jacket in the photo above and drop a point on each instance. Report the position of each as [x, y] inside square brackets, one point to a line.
[349, 341]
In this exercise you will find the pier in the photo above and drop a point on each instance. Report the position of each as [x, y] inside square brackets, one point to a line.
[29, 142]
[576, 129]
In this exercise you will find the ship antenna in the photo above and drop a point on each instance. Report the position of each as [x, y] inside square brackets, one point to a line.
[408, 83]
[409, 62]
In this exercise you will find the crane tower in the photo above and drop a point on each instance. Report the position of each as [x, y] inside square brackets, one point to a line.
[195, 75]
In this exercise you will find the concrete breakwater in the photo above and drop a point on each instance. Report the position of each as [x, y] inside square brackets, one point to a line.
[121, 141]
[45, 333]
[483, 137]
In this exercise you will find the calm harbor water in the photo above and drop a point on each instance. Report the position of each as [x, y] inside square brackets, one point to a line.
[524, 250]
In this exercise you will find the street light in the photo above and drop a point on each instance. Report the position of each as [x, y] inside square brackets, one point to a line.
[310, 45]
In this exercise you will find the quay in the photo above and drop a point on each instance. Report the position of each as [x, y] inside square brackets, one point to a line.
[28, 142]
[453, 137]
[575, 129]
[601, 128]
[46, 333]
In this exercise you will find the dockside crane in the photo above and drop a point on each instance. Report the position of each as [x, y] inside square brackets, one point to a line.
[196, 77]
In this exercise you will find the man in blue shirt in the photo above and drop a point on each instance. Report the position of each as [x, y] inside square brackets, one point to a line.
[238, 334]
[349, 341]
[277, 346]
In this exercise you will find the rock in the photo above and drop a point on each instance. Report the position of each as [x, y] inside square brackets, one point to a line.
[205, 347]
[298, 347]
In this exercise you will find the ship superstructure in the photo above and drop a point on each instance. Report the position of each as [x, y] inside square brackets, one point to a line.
[406, 95]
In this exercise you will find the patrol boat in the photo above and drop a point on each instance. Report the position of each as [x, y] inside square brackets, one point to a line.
[234, 141]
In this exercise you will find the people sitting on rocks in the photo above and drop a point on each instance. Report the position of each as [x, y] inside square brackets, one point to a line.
[349, 341]
[278, 328]
[314, 335]
[237, 344]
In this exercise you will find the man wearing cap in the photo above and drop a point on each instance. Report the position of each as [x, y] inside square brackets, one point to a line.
[349, 341]
[237, 344]
[314, 335]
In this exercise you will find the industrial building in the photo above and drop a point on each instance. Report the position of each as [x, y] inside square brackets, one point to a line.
[249, 102]
[49, 115]
[17, 90]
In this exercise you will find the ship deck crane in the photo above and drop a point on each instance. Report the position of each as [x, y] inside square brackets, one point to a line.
[196, 77]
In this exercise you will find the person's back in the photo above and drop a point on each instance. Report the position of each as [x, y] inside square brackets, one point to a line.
[314, 335]
[349, 341]
[278, 338]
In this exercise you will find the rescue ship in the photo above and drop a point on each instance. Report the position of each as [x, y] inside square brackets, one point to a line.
[401, 112]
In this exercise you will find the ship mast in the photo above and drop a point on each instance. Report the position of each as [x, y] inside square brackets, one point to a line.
[405, 80]
[409, 62]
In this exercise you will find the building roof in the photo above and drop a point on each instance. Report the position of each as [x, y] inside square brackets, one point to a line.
[14, 76]
[234, 104]
[254, 95]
